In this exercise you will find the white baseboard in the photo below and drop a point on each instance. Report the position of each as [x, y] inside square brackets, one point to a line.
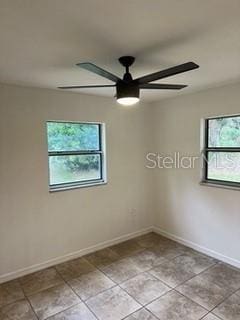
[105, 244]
[70, 256]
[197, 247]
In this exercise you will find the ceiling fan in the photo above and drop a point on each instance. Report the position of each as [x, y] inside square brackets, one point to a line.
[128, 89]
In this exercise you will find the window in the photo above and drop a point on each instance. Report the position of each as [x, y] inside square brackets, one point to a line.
[222, 151]
[75, 154]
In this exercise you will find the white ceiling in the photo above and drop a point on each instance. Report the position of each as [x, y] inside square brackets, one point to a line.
[41, 40]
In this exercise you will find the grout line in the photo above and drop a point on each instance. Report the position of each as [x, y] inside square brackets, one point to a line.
[210, 314]
[20, 299]
[118, 284]
[90, 310]
[139, 273]
[81, 301]
[32, 307]
[27, 299]
[226, 298]
[164, 294]
[130, 314]
[142, 305]
[101, 291]
[192, 301]
[65, 282]
[85, 301]
[53, 315]
[146, 271]
[15, 301]
[195, 275]
[167, 285]
[152, 314]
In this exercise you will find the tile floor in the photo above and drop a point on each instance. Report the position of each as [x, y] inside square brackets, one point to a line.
[147, 278]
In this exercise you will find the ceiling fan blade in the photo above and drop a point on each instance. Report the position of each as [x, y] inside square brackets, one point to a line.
[101, 72]
[162, 86]
[167, 72]
[91, 86]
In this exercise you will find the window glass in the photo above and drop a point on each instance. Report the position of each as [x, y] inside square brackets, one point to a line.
[73, 168]
[75, 154]
[224, 166]
[63, 136]
[224, 132]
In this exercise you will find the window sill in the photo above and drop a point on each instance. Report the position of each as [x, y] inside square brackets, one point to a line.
[77, 186]
[219, 185]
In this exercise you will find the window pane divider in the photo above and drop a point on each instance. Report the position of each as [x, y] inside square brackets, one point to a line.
[69, 153]
[223, 149]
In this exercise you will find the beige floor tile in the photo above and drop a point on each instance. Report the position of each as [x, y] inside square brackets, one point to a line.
[90, 284]
[174, 306]
[74, 268]
[229, 309]
[142, 314]
[224, 276]
[203, 292]
[169, 249]
[113, 304]
[78, 312]
[20, 310]
[51, 301]
[10, 292]
[102, 258]
[40, 280]
[171, 273]
[145, 288]
[194, 261]
[122, 270]
[147, 260]
[150, 240]
[126, 248]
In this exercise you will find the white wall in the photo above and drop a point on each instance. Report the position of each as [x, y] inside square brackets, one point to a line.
[207, 216]
[37, 226]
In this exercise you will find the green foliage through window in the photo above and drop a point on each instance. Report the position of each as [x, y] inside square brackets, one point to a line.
[224, 132]
[75, 153]
[222, 150]
[72, 136]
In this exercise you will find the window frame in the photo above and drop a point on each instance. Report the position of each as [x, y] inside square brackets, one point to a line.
[206, 149]
[101, 152]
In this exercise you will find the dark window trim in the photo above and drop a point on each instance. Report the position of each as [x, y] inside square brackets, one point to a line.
[100, 151]
[72, 153]
[207, 149]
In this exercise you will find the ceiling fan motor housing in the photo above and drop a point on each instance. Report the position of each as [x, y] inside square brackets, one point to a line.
[127, 90]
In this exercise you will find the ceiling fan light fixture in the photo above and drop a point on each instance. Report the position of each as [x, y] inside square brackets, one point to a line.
[127, 94]
[128, 101]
